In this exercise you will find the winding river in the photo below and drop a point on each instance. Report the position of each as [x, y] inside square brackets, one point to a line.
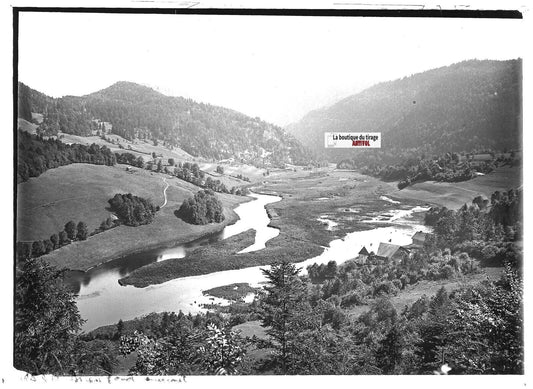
[103, 301]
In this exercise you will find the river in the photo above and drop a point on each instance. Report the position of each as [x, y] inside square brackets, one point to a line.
[101, 300]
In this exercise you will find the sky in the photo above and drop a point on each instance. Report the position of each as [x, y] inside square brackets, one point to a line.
[275, 67]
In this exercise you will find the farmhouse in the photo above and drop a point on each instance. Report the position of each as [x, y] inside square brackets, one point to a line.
[394, 252]
[479, 160]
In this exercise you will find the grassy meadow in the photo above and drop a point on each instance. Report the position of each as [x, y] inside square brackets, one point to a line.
[80, 192]
[25, 125]
[454, 194]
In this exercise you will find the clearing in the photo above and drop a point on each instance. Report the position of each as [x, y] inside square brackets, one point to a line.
[454, 194]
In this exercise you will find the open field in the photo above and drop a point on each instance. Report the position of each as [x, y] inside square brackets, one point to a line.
[235, 168]
[225, 178]
[37, 117]
[80, 192]
[25, 125]
[137, 147]
[455, 194]
[251, 329]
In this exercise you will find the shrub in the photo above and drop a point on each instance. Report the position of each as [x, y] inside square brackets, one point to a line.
[446, 272]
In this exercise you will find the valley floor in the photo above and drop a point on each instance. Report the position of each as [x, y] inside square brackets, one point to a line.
[80, 192]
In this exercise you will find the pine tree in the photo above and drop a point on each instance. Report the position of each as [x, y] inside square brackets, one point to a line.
[46, 321]
[285, 311]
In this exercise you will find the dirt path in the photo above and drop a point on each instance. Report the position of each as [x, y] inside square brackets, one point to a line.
[165, 192]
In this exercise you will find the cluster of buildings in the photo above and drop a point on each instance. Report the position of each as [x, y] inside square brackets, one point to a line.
[393, 252]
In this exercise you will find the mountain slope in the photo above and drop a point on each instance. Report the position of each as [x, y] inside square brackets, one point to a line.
[463, 107]
[203, 130]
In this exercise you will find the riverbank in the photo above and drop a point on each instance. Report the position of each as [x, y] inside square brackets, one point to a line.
[222, 256]
[165, 231]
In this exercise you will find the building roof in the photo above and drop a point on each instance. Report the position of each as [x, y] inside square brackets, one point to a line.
[482, 157]
[363, 251]
[387, 250]
[420, 236]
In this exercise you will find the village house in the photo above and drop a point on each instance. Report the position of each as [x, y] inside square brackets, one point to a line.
[419, 238]
[478, 160]
[392, 252]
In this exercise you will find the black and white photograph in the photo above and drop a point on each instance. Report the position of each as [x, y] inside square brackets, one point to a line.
[262, 192]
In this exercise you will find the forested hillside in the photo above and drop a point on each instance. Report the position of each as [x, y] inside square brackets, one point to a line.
[138, 112]
[470, 106]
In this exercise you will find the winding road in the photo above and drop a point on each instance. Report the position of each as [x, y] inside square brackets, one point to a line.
[165, 192]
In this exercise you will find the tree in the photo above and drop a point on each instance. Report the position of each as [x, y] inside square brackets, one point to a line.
[24, 250]
[484, 332]
[70, 229]
[285, 312]
[63, 238]
[220, 169]
[55, 240]
[132, 210]
[46, 321]
[203, 208]
[159, 166]
[171, 161]
[37, 248]
[222, 351]
[83, 232]
[48, 246]
[389, 353]
[431, 332]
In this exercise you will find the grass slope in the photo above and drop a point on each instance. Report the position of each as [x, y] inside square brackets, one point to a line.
[80, 192]
[25, 125]
[137, 147]
[455, 194]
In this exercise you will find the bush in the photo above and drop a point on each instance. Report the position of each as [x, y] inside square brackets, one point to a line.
[352, 298]
[203, 208]
[132, 210]
[447, 272]
[489, 252]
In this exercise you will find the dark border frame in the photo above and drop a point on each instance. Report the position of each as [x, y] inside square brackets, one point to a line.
[325, 12]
